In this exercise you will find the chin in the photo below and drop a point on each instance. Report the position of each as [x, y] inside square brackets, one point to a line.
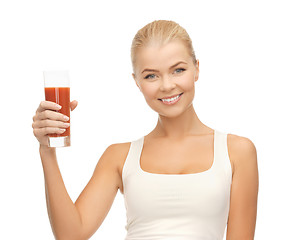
[169, 113]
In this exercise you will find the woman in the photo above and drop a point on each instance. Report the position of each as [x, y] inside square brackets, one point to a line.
[183, 180]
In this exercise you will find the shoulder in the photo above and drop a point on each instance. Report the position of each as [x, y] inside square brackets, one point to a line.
[119, 148]
[119, 152]
[113, 155]
[241, 150]
[112, 160]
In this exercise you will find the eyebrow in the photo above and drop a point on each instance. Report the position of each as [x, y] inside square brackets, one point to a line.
[154, 70]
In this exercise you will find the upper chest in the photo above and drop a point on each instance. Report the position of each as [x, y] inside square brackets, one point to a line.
[193, 155]
[165, 157]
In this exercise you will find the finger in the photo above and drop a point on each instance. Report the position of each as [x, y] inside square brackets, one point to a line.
[48, 114]
[50, 123]
[41, 132]
[73, 105]
[44, 105]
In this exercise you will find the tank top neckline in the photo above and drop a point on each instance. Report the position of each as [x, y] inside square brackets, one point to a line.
[173, 174]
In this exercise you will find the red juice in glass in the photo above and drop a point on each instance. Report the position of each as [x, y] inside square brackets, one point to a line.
[57, 90]
[61, 96]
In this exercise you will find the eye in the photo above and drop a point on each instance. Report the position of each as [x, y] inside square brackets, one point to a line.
[150, 76]
[179, 70]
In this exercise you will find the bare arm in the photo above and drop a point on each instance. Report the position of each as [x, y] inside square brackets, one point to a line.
[82, 219]
[244, 190]
[64, 217]
[97, 197]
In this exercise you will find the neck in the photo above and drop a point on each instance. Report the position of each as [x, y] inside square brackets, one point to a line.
[181, 126]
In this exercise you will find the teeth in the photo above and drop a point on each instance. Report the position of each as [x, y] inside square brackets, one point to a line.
[170, 99]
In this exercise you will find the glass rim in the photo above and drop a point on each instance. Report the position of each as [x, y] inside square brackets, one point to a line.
[56, 78]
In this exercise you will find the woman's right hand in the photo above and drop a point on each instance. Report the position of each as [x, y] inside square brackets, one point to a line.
[46, 121]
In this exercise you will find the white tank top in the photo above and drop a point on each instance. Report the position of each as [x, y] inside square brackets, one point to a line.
[177, 206]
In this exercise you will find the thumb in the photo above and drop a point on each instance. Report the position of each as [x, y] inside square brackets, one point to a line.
[73, 105]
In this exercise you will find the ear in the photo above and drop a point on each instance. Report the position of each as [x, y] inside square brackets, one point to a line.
[197, 71]
[133, 75]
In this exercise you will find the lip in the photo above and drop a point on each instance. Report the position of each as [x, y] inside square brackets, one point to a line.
[173, 102]
[170, 96]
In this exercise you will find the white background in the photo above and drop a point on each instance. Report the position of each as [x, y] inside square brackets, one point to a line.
[244, 88]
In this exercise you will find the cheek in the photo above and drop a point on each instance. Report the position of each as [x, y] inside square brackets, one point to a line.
[187, 83]
[149, 90]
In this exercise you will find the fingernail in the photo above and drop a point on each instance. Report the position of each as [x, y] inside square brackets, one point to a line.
[66, 118]
[58, 106]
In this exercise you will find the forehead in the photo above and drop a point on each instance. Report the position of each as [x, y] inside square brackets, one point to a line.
[159, 57]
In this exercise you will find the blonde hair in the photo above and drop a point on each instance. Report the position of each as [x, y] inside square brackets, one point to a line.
[160, 32]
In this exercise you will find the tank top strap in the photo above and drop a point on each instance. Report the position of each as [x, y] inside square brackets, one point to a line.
[222, 156]
[132, 160]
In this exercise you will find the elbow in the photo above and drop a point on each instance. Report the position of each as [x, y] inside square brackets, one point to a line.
[72, 236]
[241, 237]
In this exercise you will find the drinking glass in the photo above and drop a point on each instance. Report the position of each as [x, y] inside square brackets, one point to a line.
[57, 89]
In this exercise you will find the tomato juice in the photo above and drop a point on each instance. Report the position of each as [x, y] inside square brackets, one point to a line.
[61, 96]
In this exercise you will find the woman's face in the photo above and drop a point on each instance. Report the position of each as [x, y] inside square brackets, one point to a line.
[165, 71]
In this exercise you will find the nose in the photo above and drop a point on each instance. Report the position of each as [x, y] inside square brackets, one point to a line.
[167, 84]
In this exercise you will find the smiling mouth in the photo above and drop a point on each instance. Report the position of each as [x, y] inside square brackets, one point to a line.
[177, 96]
